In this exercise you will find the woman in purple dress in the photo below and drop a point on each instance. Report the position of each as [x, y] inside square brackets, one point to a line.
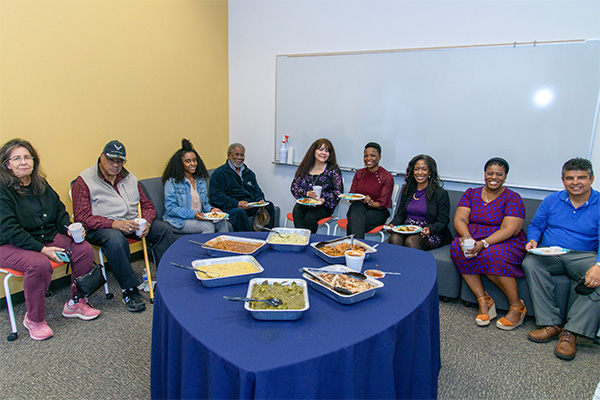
[423, 202]
[318, 168]
[493, 217]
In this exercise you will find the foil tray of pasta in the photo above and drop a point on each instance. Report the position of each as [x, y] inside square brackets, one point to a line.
[361, 289]
[333, 253]
[227, 271]
[226, 246]
[292, 292]
[291, 239]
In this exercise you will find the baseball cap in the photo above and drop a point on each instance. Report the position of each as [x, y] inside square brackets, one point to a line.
[115, 149]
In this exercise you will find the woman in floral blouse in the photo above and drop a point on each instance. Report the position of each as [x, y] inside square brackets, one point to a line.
[318, 168]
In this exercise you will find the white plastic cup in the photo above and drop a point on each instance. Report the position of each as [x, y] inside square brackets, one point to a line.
[468, 244]
[141, 226]
[76, 230]
[354, 259]
[317, 189]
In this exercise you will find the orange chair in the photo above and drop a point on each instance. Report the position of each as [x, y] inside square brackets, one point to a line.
[343, 223]
[324, 221]
[9, 274]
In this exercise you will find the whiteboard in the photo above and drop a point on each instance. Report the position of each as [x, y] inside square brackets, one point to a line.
[535, 105]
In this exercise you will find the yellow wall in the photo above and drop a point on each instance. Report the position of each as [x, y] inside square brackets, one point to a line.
[75, 74]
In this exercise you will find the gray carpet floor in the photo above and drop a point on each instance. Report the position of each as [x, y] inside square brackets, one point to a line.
[109, 357]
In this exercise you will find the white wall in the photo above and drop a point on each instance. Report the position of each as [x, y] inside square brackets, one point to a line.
[259, 30]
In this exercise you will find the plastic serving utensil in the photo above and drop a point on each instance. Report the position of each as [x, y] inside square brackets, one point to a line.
[272, 302]
[206, 246]
[264, 228]
[340, 290]
[210, 275]
[357, 275]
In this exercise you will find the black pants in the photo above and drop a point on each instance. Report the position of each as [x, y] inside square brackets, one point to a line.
[240, 218]
[307, 217]
[362, 218]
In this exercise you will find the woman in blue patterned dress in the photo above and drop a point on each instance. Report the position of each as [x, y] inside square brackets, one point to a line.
[493, 216]
[318, 168]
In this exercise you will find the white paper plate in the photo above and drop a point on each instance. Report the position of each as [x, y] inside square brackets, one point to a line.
[352, 196]
[259, 204]
[215, 217]
[549, 251]
[407, 229]
[311, 202]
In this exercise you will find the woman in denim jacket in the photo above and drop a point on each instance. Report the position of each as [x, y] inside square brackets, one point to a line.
[186, 193]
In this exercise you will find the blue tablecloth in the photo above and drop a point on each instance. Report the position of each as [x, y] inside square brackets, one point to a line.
[385, 347]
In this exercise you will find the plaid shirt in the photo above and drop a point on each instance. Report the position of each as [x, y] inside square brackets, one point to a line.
[82, 205]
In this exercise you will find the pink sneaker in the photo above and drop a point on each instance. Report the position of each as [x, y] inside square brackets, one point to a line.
[80, 310]
[37, 330]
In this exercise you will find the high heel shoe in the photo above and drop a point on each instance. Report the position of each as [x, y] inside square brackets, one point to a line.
[484, 319]
[506, 325]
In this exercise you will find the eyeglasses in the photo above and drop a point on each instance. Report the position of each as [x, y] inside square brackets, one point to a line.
[115, 161]
[18, 159]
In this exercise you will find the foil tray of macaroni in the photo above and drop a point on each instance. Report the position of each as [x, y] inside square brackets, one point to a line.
[228, 253]
[341, 259]
[274, 314]
[342, 298]
[302, 234]
[226, 280]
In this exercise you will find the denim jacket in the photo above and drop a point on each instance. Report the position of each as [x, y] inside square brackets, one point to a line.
[178, 201]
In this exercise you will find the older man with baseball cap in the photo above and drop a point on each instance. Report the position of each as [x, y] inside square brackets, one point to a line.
[105, 198]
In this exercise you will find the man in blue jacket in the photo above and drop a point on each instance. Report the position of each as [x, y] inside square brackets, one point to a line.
[569, 219]
[233, 187]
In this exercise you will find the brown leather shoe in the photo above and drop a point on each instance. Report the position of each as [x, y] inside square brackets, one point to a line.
[545, 334]
[565, 348]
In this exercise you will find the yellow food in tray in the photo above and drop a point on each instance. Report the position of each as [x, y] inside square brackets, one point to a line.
[288, 238]
[229, 269]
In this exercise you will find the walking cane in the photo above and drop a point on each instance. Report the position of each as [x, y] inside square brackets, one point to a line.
[145, 251]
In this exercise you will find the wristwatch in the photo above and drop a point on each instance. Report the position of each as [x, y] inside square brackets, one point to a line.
[485, 244]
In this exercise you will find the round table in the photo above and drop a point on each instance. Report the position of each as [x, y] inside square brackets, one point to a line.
[387, 346]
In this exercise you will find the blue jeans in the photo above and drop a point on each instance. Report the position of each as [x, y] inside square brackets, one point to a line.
[115, 247]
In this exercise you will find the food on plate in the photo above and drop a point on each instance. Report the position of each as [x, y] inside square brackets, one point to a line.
[256, 203]
[408, 228]
[214, 215]
[308, 201]
[550, 250]
[339, 249]
[234, 246]
[227, 269]
[374, 273]
[292, 296]
[288, 238]
[347, 282]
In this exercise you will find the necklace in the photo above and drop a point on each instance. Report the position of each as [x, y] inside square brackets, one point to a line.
[421, 193]
[314, 179]
[486, 200]
[415, 198]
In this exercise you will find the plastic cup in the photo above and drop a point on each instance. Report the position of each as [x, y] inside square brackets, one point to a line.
[354, 259]
[76, 230]
[468, 244]
[317, 189]
[141, 226]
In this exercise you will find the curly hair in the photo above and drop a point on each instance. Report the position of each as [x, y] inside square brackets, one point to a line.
[174, 168]
[309, 158]
[38, 181]
[410, 184]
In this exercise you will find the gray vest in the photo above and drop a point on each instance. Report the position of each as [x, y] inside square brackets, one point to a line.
[106, 202]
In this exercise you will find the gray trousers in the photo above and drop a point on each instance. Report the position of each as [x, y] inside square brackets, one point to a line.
[583, 315]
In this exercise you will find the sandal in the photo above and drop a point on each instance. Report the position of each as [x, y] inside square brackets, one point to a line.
[506, 325]
[484, 319]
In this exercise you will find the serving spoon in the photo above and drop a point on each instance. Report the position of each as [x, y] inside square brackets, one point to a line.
[209, 274]
[272, 302]
[264, 228]
[206, 246]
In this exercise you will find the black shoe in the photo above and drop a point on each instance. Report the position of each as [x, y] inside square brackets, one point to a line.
[133, 300]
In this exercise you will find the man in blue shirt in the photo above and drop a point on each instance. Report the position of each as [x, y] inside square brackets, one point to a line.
[233, 188]
[569, 219]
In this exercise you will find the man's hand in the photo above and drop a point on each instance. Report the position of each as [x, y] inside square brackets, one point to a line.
[127, 227]
[532, 244]
[592, 277]
[50, 252]
[243, 204]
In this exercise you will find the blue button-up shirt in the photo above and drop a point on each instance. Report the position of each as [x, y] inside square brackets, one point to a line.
[558, 223]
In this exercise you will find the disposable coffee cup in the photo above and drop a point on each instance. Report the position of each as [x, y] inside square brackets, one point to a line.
[76, 230]
[468, 244]
[317, 189]
[141, 226]
[354, 259]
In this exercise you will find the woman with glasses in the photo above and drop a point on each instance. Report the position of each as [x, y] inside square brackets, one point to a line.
[33, 228]
[186, 193]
